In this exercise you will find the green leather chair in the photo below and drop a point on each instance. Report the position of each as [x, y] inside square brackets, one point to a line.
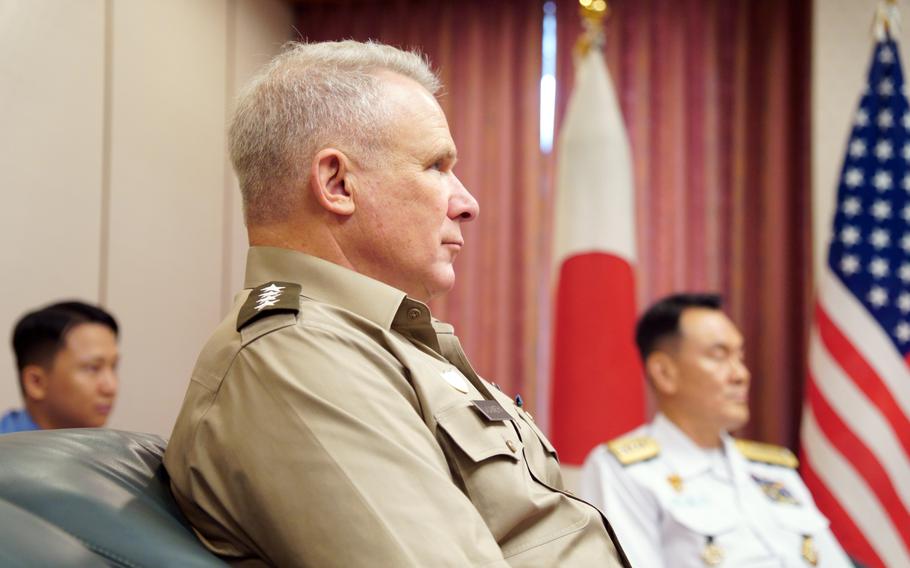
[91, 497]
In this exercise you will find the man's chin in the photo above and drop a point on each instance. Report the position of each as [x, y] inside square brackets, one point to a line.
[737, 419]
[441, 283]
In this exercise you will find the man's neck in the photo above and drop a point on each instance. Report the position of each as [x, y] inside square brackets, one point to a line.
[703, 435]
[318, 244]
[39, 417]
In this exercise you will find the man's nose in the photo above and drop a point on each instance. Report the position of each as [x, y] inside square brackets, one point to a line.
[462, 205]
[109, 382]
[740, 371]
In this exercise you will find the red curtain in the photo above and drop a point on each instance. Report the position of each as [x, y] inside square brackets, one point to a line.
[715, 96]
[716, 99]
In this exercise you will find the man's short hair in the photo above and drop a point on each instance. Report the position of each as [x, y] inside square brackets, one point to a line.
[661, 320]
[39, 335]
[312, 96]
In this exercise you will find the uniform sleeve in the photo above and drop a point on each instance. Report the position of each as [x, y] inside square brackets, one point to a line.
[315, 454]
[633, 512]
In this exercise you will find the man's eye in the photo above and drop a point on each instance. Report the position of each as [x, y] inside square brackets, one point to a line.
[437, 165]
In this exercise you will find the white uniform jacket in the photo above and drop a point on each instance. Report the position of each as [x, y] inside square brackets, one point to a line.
[675, 505]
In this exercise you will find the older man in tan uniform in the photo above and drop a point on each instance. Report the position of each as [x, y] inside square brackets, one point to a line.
[330, 420]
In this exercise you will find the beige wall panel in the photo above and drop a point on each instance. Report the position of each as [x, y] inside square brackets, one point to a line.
[167, 186]
[260, 28]
[51, 112]
[842, 47]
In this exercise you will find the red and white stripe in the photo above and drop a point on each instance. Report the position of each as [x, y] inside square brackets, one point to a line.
[856, 429]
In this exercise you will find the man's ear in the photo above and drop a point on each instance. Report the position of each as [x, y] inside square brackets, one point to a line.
[664, 374]
[330, 181]
[35, 382]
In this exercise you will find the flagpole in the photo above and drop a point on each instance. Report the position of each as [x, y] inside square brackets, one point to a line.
[855, 432]
[597, 391]
[593, 15]
[887, 21]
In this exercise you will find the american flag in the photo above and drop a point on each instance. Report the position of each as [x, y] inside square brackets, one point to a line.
[855, 427]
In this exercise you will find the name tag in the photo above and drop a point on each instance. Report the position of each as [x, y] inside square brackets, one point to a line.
[491, 410]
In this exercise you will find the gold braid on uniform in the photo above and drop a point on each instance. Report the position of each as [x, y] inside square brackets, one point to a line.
[633, 449]
[767, 453]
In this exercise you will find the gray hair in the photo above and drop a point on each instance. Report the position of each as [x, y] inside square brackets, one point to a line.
[312, 96]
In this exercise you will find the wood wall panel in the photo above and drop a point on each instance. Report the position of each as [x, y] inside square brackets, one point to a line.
[51, 108]
[167, 163]
[117, 186]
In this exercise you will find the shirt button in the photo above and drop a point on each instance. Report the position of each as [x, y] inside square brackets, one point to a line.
[512, 446]
[413, 313]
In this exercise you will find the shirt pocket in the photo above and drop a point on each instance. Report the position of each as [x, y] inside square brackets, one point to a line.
[540, 435]
[486, 458]
[489, 461]
[803, 519]
[540, 453]
[703, 521]
[477, 438]
[697, 532]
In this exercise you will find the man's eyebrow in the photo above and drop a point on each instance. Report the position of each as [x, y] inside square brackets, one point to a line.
[727, 346]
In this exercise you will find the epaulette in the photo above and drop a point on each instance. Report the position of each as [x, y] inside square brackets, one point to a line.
[767, 453]
[633, 449]
[267, 299]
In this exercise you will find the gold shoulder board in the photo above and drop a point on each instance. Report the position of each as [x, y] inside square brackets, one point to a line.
[633, 449]
[767, 453]
[267, 299]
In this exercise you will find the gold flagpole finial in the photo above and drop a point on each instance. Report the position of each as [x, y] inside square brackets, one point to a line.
[593, 14]
[887, 22]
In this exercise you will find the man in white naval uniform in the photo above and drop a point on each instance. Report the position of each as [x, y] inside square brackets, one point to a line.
[681, 491]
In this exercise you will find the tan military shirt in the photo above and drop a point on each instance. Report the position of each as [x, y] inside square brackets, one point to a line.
[338, 429]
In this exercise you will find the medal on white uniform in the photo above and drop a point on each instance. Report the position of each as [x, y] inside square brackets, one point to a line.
[810, 554]
[675, 482]
[712, 554]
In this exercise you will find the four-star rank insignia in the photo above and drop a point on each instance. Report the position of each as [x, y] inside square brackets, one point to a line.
[269, 298]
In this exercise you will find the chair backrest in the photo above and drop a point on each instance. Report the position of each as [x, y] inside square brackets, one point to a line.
[91, 497]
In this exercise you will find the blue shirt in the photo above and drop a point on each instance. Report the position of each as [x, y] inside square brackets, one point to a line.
[17, 421]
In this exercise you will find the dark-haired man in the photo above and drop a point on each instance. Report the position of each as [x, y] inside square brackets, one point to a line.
[66, 355]
[680, 490]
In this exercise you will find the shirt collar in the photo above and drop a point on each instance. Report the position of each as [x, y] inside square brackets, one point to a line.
[331, 283]
[28, 422]
[18, 421]
[685, 457]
